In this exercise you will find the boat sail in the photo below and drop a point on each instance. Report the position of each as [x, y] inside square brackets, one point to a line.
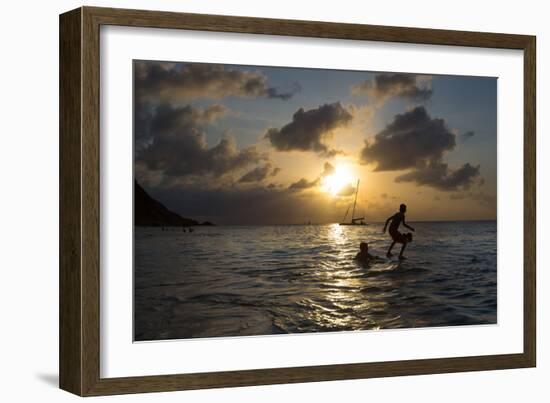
[354, 220]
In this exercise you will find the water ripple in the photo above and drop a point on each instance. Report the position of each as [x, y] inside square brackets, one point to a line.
[235, 281]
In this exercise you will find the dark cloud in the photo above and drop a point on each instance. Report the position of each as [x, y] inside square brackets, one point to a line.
[159, 81]
[143, 115]
[178, 147]
[284, 95]
[438, 175]
[167, 119]
[410, 140]
[259, 173]
[303, 183]
[467, 135]
[309, 129]
[417, 142]
[385, 86]
[151, 120]
[328, 169]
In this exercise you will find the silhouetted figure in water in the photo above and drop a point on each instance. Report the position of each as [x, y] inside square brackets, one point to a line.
[364, 256]
[398, 237]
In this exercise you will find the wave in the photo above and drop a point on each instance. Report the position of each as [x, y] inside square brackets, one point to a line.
[235, 281]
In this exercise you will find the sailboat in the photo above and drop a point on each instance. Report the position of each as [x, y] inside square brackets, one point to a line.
[354, 220]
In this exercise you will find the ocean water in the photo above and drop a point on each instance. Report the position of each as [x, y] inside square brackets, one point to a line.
[258, 280]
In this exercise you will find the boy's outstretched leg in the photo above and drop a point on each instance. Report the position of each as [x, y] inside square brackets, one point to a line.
[402, 250]
[389, 250]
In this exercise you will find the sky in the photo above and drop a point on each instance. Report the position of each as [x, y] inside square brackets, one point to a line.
[246, 145]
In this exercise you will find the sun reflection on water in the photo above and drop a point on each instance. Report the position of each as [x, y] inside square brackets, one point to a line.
[336, 234]
[342, 304]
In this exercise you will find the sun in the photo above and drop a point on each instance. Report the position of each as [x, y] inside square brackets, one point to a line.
[338, 180]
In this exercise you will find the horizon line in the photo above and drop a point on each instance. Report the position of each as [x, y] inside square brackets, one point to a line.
[318, 223]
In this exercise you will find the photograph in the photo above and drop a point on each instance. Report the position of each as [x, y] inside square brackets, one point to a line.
[275, 200]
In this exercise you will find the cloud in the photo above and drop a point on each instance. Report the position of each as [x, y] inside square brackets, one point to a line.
[249, 205]
[481, 197]
[466, 136]
[168, 118]
[259, 173]
[417, 142]
[157, 81]
[438, 175]
[284, 95]
[151, 121]
[310, 129]
[142, 126]
[178, 147]
[304, 184]
[411, 139]
[386, 86]
[328, 169]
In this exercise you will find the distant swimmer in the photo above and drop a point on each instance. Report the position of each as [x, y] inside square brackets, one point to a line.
[363, 256]
[398, 237]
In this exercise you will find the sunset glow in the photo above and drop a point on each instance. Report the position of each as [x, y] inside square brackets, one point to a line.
[291, 144]
[337, 181]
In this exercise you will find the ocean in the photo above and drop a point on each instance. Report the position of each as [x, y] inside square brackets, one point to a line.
[227, 281]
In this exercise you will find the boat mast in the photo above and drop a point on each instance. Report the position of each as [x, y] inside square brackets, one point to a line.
[355, 201]
[346, 215]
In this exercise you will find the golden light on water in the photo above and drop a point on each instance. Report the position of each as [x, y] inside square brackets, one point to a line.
[337, 181]
[345, 305]
[336, 234]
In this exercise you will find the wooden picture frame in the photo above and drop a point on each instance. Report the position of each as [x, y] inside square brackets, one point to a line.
[79, 346]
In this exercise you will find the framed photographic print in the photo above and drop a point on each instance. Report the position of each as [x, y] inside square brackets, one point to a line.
[249, 201]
